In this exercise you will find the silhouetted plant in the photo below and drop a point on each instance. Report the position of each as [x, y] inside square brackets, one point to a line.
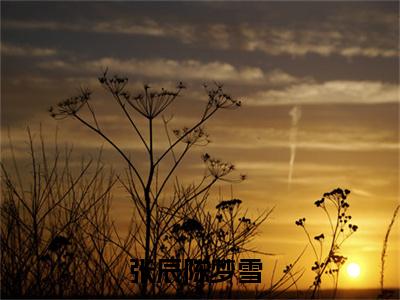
[56, 235]
[384, 292]
[164, 216]
[199, 234]
[287, 279]
[329, 262]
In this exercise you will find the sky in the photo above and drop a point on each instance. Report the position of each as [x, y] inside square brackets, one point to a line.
[318, 82]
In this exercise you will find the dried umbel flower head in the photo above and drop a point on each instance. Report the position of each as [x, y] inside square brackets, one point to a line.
[337, 195]
[320, 202]
[115, 84]
[217, 98]
[70, 106]
[216, 167]
[148, 103]
[319, 237]
[196, 136]
[189, 228]
[300, 222]
[192, 225]
[228, 204]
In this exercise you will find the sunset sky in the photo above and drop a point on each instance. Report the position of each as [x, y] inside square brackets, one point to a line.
[336, 62]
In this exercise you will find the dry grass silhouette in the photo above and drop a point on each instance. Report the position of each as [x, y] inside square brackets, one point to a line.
[384, 293]
[55, 226]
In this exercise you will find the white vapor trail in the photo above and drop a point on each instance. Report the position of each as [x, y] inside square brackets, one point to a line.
[295, 114]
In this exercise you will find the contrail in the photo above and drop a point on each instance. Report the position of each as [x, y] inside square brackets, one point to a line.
[295, 114]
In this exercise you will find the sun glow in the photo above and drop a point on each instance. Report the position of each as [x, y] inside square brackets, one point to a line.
[353, 269]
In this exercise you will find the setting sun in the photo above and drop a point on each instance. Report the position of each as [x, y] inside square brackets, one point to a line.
[353, 270]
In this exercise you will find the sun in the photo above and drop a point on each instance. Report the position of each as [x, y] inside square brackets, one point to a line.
[353, 269]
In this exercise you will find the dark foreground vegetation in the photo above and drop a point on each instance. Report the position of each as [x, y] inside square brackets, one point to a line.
[58, 238]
